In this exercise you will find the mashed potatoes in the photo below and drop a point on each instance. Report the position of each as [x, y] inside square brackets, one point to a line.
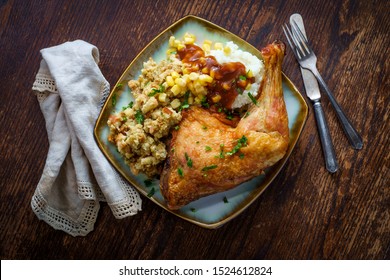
[251, 62]
[164, 89]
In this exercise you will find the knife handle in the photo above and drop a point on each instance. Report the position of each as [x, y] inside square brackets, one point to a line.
[326, 142]
[353, 136]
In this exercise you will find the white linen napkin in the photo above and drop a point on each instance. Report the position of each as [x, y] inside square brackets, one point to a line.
[71, 90]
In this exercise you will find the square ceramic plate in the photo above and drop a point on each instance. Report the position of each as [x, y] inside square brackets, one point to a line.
[211, 211]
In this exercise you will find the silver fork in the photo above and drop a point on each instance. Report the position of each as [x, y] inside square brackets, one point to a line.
[307, 59]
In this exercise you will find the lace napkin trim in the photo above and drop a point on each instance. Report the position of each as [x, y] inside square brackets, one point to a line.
[60, 221]
[126, 208]
[43, 86]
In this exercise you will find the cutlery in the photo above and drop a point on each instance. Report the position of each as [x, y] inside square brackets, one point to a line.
[313, 93]
[307, 59]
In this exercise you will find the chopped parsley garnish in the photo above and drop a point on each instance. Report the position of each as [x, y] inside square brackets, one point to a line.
[207, 148]
[118, 86]
[156, 90]
[124, 118]
[221, 153]
[252, 98]
[204, 102]
[130, 105]
[242, 77]
[113, 100]
[177, 127]
[246, 114]
[148, 183]
[240, 91]
[151, 193]
[204, 127]
[188, 159]
[242, 142]
[225, 200]
[139, 117]
[229, 114]
[180, 172]
[207, 168]
[185, 103]
[184, 106]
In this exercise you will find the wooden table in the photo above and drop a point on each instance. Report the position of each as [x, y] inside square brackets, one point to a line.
[306, 213]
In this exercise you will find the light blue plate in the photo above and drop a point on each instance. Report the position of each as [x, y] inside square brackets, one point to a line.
[215, 210]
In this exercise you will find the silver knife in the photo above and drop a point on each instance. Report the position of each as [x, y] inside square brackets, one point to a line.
[313, 93]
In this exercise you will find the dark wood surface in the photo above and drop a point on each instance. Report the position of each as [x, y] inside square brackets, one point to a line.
[306, 213]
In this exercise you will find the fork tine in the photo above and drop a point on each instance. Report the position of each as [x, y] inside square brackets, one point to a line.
[297, 49]
[300, 32]
[288, 39]
[300, 37]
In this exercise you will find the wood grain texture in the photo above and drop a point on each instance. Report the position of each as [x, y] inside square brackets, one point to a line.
[306, 213]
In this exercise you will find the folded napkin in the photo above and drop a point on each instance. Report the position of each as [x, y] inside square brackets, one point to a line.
[71, 90]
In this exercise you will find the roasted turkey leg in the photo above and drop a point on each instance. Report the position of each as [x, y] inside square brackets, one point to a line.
[207, 156]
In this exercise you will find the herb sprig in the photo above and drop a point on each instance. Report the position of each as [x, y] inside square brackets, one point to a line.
[242, 142]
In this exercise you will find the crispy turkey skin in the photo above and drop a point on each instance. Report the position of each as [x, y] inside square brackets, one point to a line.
[208, 156]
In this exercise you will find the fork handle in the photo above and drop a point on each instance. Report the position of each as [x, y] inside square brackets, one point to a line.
[353, 136]
[326, 142]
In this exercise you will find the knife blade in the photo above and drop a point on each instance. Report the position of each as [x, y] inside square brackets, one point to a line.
[309, 80]
[313, 93]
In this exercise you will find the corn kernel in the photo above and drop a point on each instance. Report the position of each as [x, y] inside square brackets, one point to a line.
[189, 40]
[205, 70]
[226, 50]
[172, 41]
[248, 86]
[176, 43]
[162, 97]
[170, 81]
[203, 78]
[175, 75]
[194, 76]
[186, 78]
[195, 68]
[197, 83]
[189, 35]
[199, 99]
[199, 89]
[250, 74]
[190, 86]
[180, 47]
[242, 83]
[186, 71]
[218, 46]
[226, 86]
[171, 51]
[208, 42]
[216, 98]
[176, 89]
[212, 73]
[206, 48]
[180, 82]
[175, 103]
[202, 60]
